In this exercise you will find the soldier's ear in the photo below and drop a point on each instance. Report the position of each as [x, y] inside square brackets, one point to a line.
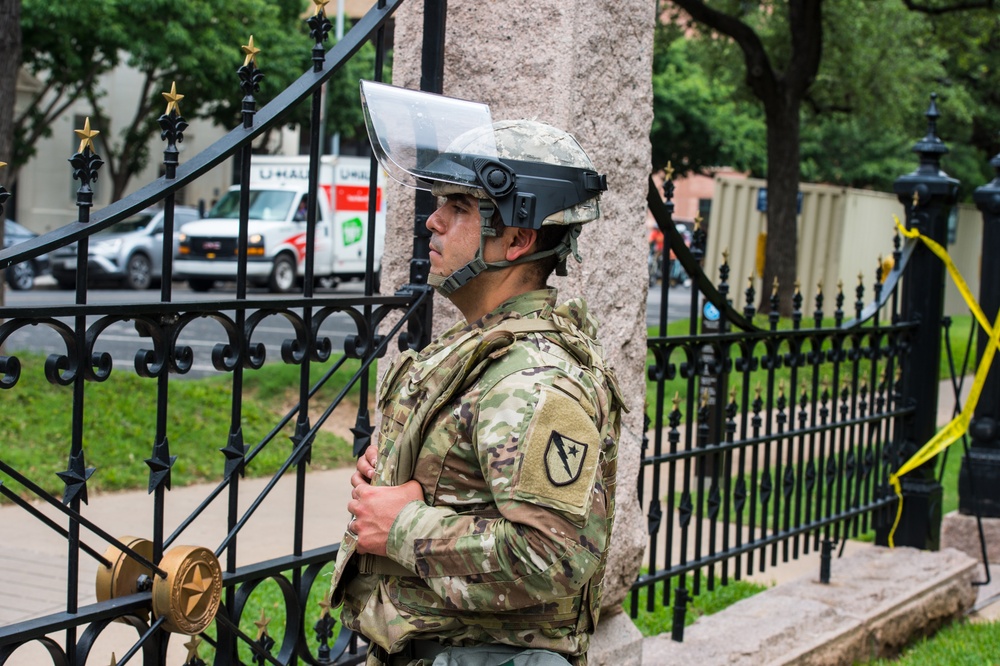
[520, 242]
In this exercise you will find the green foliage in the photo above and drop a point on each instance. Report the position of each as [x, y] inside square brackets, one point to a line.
[959, 644]
[68, 47]
[863, 112]
[697, 124]
[660, 621]
[344, 114]
[119, 433]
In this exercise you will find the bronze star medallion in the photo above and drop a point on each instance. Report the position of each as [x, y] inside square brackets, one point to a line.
[189, 596]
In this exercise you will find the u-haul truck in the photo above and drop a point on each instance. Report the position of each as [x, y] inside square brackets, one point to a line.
[276, 251]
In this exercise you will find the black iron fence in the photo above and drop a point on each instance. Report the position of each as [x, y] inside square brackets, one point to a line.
[202, 592]
[770, 438]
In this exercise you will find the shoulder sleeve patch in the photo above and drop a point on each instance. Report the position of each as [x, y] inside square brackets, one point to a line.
[561, 452]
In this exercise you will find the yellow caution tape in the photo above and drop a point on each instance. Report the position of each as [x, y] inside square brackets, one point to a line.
[960, 424]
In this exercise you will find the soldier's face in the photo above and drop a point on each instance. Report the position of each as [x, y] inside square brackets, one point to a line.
[454, 228]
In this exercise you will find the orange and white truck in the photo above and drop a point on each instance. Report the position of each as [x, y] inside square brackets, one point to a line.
[276, 251]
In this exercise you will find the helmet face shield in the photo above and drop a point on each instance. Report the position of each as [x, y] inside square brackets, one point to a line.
[414, 135]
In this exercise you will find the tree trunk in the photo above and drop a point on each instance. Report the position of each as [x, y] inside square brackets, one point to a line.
[782, 203]
[10, 56]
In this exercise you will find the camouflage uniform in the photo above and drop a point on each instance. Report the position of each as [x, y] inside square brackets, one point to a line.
[510, 425]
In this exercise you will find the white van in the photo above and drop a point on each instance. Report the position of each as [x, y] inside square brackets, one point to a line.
[276, 247]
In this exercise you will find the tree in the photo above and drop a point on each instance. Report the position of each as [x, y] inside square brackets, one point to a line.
[195, 43]
[780, 80]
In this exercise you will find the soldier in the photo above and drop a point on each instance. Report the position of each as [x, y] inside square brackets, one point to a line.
[482, 512]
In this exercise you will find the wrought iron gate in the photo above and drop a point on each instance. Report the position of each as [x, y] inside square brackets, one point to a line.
[194, 590]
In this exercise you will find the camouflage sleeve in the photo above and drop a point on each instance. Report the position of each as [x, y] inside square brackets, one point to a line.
[539, 452]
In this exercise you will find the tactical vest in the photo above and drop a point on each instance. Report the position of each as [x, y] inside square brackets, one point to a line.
[420, 384]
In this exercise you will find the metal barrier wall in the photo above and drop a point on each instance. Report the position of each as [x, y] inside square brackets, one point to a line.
[201, 591]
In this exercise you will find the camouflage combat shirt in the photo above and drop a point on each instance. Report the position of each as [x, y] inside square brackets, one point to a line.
[517, 467]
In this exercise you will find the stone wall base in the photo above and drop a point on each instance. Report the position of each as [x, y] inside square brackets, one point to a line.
[878, 601]
[961, 533]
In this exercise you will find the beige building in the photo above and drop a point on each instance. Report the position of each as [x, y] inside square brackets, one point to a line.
[45, 195]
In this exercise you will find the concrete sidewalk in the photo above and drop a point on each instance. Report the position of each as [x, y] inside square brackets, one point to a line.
[33, 557]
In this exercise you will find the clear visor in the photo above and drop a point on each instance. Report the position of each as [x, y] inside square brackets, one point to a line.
[420, 138]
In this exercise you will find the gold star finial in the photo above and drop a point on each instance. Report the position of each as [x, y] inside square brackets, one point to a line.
[172, 99]
[320, 5]
[325, 606]
[798, 286]
[669, 171]
[676, 400]
[774, 286]
[192, 648]
[916, 198]
[697, 222]
[262, 624]
[725, 256]
[86, 136]
[251, 52]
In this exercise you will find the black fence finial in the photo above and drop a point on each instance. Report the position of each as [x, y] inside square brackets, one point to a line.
[85, 164]
[931, 147]
[172, 126]
[250, 78]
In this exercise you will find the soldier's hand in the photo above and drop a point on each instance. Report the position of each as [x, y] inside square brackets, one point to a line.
[375, 508]
[366, 465]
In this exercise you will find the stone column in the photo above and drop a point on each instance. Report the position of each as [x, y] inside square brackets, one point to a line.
[583, 66]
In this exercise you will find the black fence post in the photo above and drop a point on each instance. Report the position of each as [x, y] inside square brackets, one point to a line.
[431, 80]
[979, 479]
[928, 195]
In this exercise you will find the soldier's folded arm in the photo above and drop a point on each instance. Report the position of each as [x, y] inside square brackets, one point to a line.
[539, 453]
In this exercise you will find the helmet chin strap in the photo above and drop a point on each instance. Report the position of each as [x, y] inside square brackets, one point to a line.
[446, 286]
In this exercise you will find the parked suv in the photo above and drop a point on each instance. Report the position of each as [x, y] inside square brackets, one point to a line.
[22, 276]
[128, 253]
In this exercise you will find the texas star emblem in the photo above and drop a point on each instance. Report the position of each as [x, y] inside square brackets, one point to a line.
[564, 459]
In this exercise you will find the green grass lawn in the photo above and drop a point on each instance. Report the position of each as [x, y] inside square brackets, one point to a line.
[120, 423]
[708, 602]
[960, 644]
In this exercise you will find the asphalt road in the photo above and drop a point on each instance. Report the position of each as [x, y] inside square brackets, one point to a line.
[121, 339]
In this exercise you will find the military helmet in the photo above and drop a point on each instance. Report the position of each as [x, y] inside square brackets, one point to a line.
[527, 141]
[528, 172]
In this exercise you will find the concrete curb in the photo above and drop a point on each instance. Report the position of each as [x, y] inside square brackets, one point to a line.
[878, 601]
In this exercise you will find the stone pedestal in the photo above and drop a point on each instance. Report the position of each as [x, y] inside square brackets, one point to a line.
[961, 533]
[582, 66]
[616, 642]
